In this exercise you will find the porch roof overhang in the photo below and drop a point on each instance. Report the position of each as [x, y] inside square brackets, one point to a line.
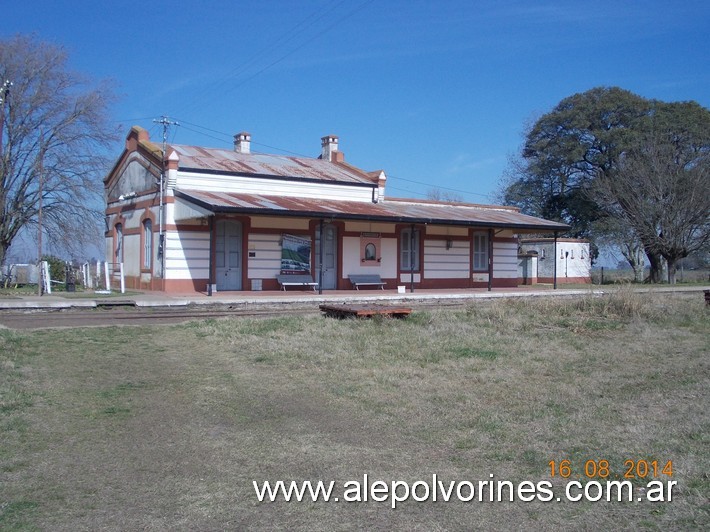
[393, 210]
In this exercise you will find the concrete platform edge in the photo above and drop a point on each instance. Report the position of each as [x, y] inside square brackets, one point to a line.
[157, 300]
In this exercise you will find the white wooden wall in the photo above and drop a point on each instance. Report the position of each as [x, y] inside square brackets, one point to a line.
[272, 187]
[266, 264]
[442, 263]
[187, 255]
[505, 260]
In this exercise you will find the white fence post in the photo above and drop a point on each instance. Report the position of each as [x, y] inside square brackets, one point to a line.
[108, 279]
[123, 281]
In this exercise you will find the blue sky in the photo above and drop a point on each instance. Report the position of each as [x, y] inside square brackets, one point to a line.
[436, 93]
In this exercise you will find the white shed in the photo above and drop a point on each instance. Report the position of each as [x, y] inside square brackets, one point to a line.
[541, 257]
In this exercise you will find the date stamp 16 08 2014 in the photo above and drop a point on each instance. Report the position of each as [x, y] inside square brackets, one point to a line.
[632, 469]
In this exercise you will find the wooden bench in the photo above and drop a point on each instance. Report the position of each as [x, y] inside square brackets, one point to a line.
[366, 280]
[296, 280]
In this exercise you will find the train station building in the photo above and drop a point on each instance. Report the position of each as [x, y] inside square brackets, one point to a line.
[193, 219]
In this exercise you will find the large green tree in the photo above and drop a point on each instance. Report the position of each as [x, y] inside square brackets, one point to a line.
[567, 148]
[579, 159]
[54, 126]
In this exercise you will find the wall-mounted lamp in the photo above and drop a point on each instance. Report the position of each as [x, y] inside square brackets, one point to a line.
[127, 196]
[449, 243]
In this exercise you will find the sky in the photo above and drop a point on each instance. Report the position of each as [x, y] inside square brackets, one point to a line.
[436, 93]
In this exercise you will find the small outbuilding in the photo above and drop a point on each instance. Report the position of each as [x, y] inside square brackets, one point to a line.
[540, 259]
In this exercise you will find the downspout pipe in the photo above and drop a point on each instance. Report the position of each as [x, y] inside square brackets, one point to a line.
[490, 260]
[320, 257]
[554, 264]
[411, 259]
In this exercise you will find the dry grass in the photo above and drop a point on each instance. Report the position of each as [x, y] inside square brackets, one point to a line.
[165, 428]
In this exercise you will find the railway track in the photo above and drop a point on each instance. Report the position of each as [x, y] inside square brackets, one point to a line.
[125, 313]
[142, 316]
[42, 319]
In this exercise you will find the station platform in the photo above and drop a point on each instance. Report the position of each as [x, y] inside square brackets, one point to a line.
[85, 300]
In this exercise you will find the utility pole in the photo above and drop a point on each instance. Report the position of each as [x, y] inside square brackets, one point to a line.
[166, 123]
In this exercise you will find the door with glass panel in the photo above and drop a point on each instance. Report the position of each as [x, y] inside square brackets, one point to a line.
[330, 257]
[228, 255]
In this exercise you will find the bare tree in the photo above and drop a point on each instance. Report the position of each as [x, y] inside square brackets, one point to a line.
[54, 127]
[620, 236]
[661, 189]
[438, 194]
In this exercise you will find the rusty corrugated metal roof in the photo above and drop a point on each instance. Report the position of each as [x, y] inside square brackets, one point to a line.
[397, 210]
[262, 164]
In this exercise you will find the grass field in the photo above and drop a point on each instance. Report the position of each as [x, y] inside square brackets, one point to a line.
[616, 276]
[165, 428]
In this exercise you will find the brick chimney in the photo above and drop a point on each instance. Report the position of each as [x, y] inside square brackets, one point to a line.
[329, 149]
[242, 142]
[378, 194]
[381, 180]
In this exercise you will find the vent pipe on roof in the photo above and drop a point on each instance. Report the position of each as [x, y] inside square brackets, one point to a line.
[329, 149]
[242, 142]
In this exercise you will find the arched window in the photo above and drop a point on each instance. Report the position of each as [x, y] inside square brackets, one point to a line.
[147, 244]
[370, 252]
[118, 242]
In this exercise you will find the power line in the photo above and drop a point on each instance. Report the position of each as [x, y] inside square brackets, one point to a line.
[201, 132]
[226, 138]
[230, 136]
[323, 32]
[389, 176]
[438, 187]
[142, 119]
[291, 34]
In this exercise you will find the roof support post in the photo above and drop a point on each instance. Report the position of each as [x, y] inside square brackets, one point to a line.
[411, 258]
[490, 259]
[554, 264]
[210, 274]
[320, 257]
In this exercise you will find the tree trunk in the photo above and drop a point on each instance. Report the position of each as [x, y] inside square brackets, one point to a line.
[671, 270]
[638, 273]
[654, 261]
[634, 257]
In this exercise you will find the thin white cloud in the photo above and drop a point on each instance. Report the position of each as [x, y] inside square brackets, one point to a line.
[464, 163]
